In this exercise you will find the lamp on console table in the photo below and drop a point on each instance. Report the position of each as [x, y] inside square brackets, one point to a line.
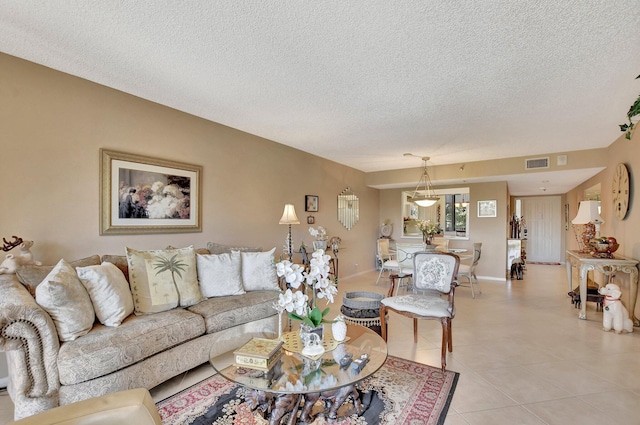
[589, 217]
[289, 217]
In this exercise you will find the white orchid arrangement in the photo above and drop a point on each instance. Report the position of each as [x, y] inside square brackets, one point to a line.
[297, 303]
[320, 233]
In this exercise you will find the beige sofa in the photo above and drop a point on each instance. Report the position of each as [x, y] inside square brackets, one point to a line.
[143, 351]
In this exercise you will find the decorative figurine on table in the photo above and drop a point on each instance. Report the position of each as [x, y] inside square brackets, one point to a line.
[312, 344]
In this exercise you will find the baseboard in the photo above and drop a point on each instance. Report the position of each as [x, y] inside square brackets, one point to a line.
[4, 382]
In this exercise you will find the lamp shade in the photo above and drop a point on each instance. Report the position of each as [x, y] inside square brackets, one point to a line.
[424, 201]
[588, 213]
[289, 215]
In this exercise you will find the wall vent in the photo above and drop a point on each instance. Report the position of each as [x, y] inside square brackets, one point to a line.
[535, 163]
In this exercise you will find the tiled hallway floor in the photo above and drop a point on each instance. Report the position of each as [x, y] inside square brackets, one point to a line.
[523, 355]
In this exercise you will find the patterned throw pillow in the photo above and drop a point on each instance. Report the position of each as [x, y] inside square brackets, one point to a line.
[161, 280]
[109, 292]
[220, 275]
[62, 296]
[259, 271]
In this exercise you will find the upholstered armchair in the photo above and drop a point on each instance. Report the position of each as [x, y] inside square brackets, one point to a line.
[432, 296]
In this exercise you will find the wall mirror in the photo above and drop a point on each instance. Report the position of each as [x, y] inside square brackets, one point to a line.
[451, 211]
[592, 193]
[348, 208]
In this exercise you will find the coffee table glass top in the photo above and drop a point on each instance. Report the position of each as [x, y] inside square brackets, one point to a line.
[295, 373]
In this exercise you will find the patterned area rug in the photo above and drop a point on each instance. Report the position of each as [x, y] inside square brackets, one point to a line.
[401, 392]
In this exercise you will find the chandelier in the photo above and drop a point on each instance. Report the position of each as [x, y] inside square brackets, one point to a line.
[426, 198]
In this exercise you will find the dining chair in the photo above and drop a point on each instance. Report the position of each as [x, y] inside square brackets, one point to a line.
[442, 244]
[468, 271]
[404, 255]
[385, 257]
[434, 273]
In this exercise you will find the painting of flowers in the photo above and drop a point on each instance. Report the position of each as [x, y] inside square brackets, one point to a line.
[147, 195]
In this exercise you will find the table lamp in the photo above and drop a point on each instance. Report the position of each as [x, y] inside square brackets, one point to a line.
[289, 217]
[589, 218]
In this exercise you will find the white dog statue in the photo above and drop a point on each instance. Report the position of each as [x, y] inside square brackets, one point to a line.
[22, 258]
[615, 315]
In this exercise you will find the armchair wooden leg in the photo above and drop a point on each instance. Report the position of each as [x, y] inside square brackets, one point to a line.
[383, 322]
[415, 330]
[450, 337]
[445, 343]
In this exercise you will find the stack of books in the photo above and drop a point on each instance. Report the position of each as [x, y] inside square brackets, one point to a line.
[259, 353]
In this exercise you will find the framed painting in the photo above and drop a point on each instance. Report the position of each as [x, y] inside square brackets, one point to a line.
[487, 208]
[311, 203]
[139, 194]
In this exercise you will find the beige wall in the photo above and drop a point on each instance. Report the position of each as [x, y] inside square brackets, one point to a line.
[53, 126]
[627, 231]
[492, 232]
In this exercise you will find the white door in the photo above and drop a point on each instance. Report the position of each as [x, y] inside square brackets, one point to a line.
[543, 217]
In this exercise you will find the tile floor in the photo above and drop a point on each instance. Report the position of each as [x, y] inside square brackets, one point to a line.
[523, 356]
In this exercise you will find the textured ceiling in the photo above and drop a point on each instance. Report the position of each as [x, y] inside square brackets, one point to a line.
[359, 82]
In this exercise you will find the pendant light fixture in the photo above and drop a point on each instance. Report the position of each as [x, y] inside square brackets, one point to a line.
[427, 198]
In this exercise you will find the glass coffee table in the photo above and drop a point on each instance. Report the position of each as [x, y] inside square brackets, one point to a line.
[297, 381]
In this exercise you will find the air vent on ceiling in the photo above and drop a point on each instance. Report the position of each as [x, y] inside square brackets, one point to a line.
[535, 163]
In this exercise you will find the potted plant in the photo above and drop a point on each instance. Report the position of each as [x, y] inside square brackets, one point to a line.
[634, 111]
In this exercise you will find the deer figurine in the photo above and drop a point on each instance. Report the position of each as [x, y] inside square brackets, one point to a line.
[22, 258]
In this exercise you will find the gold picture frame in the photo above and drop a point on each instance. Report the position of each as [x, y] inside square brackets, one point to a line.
[140, 194]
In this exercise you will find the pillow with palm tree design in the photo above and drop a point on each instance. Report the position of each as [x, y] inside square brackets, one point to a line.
[164, 279]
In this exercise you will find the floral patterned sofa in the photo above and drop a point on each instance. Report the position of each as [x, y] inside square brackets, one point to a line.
[163, 328]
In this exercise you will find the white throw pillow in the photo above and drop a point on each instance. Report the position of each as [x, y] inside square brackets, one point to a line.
[62, 296]
[220, 275]
[109, 292]
[259, 271]
[163, 279]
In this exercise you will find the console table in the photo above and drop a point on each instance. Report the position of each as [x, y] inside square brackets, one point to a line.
[606, 266]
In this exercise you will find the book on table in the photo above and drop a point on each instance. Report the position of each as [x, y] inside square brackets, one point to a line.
[259, 353]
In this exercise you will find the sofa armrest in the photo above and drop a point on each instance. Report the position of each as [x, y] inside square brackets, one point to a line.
[30, 339]
[124, 407]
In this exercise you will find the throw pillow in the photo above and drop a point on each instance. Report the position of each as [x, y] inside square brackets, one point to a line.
[259, 271]
[62, 296]
[220, 275]
[163, 279]
[109, 292]
[31, 275]
[216, 248]
[120, 261]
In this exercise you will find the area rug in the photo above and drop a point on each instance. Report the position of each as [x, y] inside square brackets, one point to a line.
[401, 392]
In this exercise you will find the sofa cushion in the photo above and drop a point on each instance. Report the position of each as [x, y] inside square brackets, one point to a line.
[64, 298]
[220, 275]
[31, 276]
[109, 292]
[259, 271]
[106, 349]
[224, 312]
[163, 279]
[216, 248]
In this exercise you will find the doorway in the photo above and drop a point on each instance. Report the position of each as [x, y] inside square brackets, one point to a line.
[543, 216]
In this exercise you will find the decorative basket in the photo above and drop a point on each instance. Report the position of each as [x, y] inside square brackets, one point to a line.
[362, 308]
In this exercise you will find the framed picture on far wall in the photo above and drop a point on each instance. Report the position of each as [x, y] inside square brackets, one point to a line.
[487, 208]
[148, 195]
[311, 203]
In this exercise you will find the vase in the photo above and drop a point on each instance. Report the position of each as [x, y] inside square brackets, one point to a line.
[319, 245]
[318, 330]
[339, 329]
[427, 238]
[311, 339]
